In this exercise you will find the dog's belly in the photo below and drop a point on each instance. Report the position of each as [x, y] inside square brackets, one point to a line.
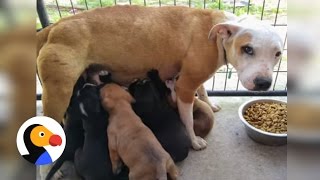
[129, 73]
[130, 46]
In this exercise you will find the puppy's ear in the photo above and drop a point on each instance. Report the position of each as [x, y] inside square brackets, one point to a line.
[224, 30]
[133, 101]
[107, 103]
[129, 98]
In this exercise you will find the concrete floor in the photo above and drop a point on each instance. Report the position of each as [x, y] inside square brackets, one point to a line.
[231, 154]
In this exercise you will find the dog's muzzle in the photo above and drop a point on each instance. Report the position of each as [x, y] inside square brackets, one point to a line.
[262, 83]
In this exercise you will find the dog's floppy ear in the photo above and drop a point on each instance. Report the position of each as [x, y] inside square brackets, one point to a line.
[129, 98]
[107, 102]
[224, 30]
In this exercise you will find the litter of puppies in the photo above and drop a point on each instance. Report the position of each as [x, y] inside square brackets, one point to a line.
[93, 134]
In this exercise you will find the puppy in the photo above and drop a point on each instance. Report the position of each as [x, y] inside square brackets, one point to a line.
[92, 161]
[152, 106]
[203, 118]
[202, 112]
[131, 141]
[73, 130]
[73, 124]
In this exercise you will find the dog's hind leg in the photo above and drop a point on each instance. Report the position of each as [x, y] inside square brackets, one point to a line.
[59, 69]
[203, 95]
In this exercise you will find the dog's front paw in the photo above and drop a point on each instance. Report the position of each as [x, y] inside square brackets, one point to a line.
[198, 143]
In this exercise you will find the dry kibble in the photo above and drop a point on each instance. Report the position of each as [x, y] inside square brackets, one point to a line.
[270, 117]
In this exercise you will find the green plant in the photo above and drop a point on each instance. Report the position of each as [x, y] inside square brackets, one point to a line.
[80, 5]
[95, 3]
[137, 2]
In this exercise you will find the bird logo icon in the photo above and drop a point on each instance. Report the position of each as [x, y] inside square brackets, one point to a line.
[41, 140]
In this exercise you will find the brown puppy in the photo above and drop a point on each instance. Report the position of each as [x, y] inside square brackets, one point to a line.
[202, 112]
[130, 40]
[203, 118]
[131, 141]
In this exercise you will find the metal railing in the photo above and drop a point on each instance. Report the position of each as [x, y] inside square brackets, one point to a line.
[222, 84]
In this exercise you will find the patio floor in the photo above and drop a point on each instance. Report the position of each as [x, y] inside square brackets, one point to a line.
[231, 154]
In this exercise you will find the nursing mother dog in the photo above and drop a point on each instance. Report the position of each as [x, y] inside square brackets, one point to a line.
[129, 41]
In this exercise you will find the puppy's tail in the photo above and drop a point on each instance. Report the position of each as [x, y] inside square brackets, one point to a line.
[172, 169]
[42, 37]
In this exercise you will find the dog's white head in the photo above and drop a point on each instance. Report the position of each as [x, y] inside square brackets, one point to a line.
[252, 47]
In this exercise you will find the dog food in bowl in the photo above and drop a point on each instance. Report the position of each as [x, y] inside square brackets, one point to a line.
[268, 116]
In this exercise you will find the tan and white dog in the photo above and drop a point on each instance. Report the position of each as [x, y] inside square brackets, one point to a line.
[128, 41]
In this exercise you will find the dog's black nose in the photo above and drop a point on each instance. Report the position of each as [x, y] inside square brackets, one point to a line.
[262, 83]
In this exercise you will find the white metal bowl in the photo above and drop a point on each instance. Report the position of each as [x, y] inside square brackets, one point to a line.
[256, 134]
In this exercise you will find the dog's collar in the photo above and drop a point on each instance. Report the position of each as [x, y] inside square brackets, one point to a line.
[229, 73]
[225, 56]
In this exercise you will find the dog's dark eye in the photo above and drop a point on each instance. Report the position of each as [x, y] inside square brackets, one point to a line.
[278, 54]
[248, 50]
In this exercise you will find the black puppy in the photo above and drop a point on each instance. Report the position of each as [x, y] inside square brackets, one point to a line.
[92, 161]
[73, 130]
[153, 108]
[73, 127]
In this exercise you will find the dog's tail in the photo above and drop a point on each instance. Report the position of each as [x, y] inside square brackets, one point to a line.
[42, 37]
[172, 169]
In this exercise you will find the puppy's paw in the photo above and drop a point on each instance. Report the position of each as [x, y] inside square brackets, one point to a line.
[58, 175]
[66, 172]
[117, 169]
[198, 143]
[44, 170]
[170, 84]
